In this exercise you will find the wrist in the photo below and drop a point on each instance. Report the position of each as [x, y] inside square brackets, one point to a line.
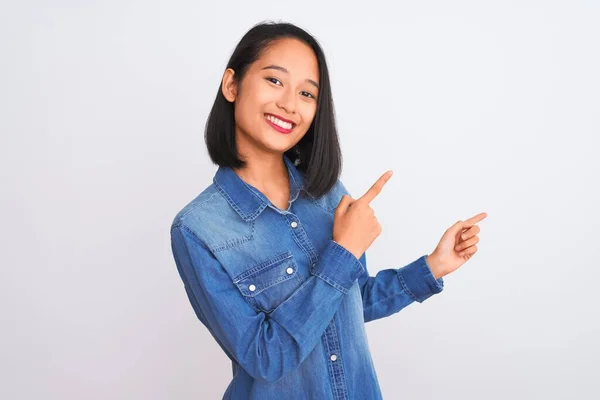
[435, 265]
[349, 248]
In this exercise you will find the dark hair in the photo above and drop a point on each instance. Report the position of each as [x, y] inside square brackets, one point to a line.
[317, 155]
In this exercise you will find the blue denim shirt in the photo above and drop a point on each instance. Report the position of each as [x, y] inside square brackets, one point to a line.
[285, 302]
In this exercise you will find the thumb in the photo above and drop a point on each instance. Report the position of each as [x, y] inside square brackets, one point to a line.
[345, 202]
[462, 225]
[458, 227]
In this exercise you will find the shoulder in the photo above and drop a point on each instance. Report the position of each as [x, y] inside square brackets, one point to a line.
[202, 209]
[332, 198]
[196, 204]
[213, 221]
[338, 190]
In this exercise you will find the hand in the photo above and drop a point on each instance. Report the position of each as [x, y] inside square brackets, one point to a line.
[355, 226]
[457, 246]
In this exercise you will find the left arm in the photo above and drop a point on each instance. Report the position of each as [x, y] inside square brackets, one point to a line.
[393, 289]
[390, 290]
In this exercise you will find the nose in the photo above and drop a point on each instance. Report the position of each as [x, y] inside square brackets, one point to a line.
[287, 101]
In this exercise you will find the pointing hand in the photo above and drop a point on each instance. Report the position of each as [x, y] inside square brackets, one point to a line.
[457, 246]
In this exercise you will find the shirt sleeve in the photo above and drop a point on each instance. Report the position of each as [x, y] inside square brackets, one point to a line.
[390, 290]
[266, 346]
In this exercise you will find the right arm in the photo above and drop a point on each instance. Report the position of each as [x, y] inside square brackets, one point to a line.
[266, 346]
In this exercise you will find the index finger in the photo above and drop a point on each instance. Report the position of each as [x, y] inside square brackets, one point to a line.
[376, 188]
[475, 219]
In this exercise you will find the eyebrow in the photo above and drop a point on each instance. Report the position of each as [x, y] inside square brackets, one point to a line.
[277, 67]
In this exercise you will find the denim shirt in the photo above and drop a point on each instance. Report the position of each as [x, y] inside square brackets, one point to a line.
[285, 302]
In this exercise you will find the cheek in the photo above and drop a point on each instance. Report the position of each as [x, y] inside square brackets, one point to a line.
[241, 113]
[308, 114]
[247, 107]
[253, 99]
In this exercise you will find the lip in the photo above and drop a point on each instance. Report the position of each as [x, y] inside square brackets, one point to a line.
[281, 118]
[277, 127]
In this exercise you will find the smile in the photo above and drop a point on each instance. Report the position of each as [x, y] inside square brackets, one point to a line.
[285, 125]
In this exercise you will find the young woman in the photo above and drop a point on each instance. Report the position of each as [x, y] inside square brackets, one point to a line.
[272, 253]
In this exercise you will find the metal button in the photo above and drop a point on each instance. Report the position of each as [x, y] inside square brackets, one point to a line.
[290, 270]
[294, 224]
[333, 357]
[252, 288]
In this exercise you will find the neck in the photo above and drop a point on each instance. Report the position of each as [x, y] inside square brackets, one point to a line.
[265, 171]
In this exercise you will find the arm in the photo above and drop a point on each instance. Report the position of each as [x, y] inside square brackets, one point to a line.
[393, 289]
[266, 346]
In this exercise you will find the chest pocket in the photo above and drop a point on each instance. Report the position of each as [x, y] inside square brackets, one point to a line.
[269, 283]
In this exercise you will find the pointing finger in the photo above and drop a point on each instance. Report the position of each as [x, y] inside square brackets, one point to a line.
[376, 188]
[473, 220]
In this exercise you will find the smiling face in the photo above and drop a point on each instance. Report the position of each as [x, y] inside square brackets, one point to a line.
[276, 101]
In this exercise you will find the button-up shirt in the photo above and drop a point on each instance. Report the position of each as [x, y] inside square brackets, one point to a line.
[285, 302]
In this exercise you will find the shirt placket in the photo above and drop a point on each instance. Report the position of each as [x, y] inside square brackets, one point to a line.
[330, 339]
[334, 361]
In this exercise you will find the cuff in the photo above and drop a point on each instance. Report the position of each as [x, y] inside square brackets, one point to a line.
[338, 267]
[418, 280]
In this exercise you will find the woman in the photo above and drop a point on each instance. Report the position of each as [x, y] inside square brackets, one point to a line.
[272, 253]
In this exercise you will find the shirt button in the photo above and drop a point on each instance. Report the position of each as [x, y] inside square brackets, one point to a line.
[294, 224]
[290, 270]
[252, 288]
[333, 357]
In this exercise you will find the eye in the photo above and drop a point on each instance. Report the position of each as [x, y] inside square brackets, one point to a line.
[274, 80]
[307, 94]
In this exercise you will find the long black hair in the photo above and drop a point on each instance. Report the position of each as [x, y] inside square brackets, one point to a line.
[317, 155]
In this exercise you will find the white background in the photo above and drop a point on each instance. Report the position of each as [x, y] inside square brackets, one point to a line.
[476, 106]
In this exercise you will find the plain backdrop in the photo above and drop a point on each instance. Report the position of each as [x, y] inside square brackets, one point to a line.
[477, 107]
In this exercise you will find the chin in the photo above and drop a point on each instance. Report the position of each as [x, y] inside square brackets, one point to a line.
[278, 149]
[279, 144]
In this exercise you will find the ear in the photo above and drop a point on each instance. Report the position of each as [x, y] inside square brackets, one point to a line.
[229, 85]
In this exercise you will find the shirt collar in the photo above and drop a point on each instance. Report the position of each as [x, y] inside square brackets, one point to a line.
[248, 201]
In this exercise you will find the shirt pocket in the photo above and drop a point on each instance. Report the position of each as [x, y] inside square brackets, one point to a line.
[269, 283]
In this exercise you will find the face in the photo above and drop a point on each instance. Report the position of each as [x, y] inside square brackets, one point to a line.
[276, 101]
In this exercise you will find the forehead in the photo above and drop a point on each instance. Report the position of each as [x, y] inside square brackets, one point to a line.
[292, 54]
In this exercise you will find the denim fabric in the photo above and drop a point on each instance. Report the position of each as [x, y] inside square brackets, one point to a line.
[285, 302]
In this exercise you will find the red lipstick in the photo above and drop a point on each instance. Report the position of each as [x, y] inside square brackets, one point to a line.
[277, 127]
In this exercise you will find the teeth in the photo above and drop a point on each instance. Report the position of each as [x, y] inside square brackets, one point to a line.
[278, 122]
